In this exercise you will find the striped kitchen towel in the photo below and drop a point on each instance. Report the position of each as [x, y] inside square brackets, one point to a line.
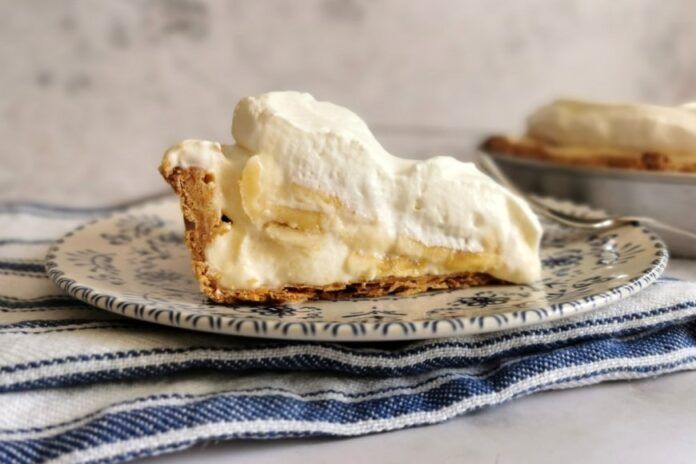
[82, 385]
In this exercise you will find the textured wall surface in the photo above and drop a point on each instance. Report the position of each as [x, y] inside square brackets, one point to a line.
[91, 92]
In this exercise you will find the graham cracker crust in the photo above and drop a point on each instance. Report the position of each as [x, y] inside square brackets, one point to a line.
[196, 189]
[648, 161]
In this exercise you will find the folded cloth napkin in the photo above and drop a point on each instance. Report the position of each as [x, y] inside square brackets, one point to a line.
[83, 385]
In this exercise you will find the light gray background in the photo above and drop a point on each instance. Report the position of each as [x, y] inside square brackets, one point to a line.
[92, 92]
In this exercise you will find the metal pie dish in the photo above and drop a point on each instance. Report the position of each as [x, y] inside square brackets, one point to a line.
[667, 196]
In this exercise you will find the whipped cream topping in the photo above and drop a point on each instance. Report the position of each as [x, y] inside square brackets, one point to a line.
[627, 127]
[315, 199]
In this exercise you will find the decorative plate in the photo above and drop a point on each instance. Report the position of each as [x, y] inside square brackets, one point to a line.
[135, 263]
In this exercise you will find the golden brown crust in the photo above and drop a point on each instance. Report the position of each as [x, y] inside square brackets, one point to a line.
[196, 190]
[527, 148]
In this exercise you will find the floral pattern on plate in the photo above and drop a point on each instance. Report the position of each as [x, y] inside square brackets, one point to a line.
[135, 263]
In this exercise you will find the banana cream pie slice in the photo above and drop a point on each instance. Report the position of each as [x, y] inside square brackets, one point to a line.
[625, 135]
[307, 204]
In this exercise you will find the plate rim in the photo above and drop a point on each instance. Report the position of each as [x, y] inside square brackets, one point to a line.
[343, 331]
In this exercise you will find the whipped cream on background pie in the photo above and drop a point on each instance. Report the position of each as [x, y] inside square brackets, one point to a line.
[627, 135]
[307, 204]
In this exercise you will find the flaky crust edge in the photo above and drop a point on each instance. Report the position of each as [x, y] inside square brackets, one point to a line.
[526, 148]
[196, 190]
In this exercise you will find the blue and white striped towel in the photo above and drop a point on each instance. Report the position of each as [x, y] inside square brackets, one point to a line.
[121, 389]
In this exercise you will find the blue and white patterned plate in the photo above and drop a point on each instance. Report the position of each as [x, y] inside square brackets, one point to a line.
[135, 263]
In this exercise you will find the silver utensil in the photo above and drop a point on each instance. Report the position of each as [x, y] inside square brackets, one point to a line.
[486, 164]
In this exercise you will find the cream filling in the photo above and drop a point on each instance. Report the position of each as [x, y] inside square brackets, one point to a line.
[577, 129]
[313, 199]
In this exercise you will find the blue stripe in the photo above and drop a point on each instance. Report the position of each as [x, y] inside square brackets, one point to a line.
[178, 396]
[126, 425]
[95, 327]
[40, 324]
[408, 350]
[587, 379]
[311, 361]
[23, 266]
[50, 210]
[33, 275]
[18, 241]
[473, 387]
[8, 304]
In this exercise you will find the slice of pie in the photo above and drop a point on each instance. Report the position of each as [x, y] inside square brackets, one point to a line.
[624, 135]
[307, 204]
